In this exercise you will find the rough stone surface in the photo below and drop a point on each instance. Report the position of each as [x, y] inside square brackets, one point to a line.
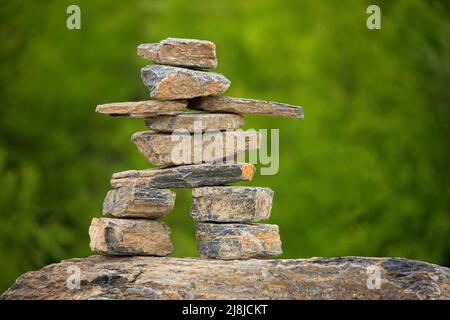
[246, 106]
[238, 241]
[190, 176]
[231, 204]
[184, 148]
[189, 53]
[141, 109]
[138, 201]
[130, 237]
[172, 83]
[187, 278]
[195, 121]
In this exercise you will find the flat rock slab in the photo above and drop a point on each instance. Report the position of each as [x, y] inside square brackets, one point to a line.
[190, 279]
[138, 201]
[178, 149]
[195, 121]
[246, 106]
[238, 241]
[231, 204]
[130, 237]
[172, 83]
[190, 176]
[141, 109]
[189, 53]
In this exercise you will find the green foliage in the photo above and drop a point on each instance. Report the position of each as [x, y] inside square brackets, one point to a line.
[366, 172]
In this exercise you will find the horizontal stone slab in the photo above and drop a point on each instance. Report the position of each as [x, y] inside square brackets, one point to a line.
[177, 149]
[138, 201]
[152, 278]
[141, 109]
[195, 121]
[130, 237]
[189, 53]
[172, 83]
[246, 106]
[231, 204]
[190, 176]
[238, 241]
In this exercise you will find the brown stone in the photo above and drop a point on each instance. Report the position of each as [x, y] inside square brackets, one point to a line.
[130, 237]
[138, 201]
[184, 148]
[231, 204]
[141, 109]
[238, 241]
[195, 121]
[246, 106]
[189, 53]
[190, 176]
[172, 83]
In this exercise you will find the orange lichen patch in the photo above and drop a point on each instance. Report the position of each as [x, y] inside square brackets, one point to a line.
[248, 170]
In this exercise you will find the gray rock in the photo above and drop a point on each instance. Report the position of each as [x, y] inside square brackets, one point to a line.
[172, 83]
[130, 237]
[195, 121]
[246, 106]
[176, 149]
[231, 204]
[138, 201]
[238, 241]
[189, 53]
[191, 279]
[141, 109]
[190, 176]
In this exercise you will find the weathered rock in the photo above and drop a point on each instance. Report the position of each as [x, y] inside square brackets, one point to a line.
[183, 148]
[190, 176]
[346, 278]
[130, 237]
[246, 106]
[231, 204]
[195, 121]
[141, 109]
[189, 53]
[238, 241]
[138, 201]
[172, 83]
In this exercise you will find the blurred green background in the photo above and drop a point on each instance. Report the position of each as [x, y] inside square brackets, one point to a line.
[366, 172]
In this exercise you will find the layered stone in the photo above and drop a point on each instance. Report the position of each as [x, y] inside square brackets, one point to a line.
[237, 241]
[184, 148]
[141, 109]
[130, 237]
[172, 83]
[231, 204]
[195, 121]
[138, 201]
[246, 106]
[189, 53]
[189, 176]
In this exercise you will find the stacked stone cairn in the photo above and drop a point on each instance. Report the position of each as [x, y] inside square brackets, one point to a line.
[226, 215]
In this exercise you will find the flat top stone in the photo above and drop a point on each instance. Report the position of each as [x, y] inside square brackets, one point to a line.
[189, 53]
[188, 278]
[246, 106]
[141, 109]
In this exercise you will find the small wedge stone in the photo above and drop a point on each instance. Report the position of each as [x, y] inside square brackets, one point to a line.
[130, 237]
[238, 241]
[190, 176]
[138, 201]
[231, 204]
[183, 148]
[141, 109]
[246, 106]
[189, 53]
[195, 121]
[172, 83]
